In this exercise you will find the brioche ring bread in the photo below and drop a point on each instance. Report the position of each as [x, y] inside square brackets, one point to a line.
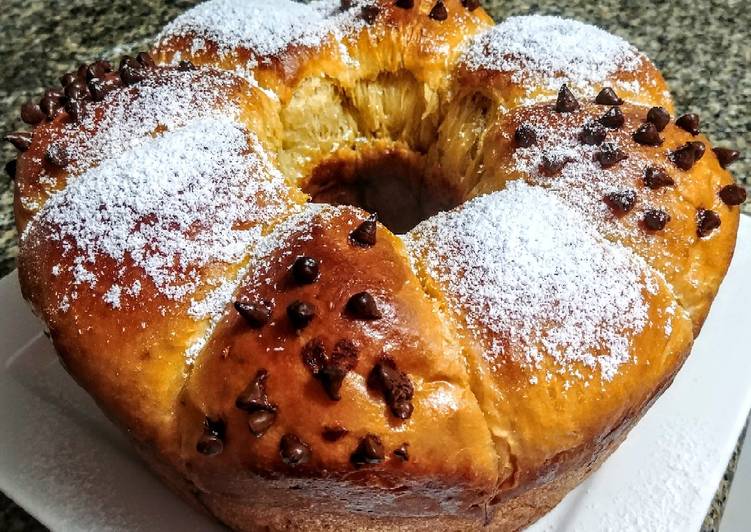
[196, 233]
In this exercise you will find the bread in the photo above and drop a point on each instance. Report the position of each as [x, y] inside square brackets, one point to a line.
[196, 233]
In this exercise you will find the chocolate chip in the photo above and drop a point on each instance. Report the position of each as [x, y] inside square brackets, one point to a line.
[335, 433]
[613, 119]
[566, 102]
[698, 148]
[331, 378]
[726, 156]
[402, 452]
[145, 60]
[369, 451]
[75, 109]
[97, 69]
[11, 166]
[607, 96]
[51, 104]
[77, 91]
[314, 355]
[362, 306]
[209, 445]
[31, 113]
[647, 135]
[305, 270]
[254, 398]
[293, 450]
[621, 202]
[185, 66]
[131, 71]
[300, 313]
[525, 136]
[405, 4]
[688, 122]
[439, 11]
[471, 5]
[394, 385]
[655, 219]
[256, 314]
[100, 87]
[369, 13]
[345, 4]
[68, 78]
[552, 165]
[81, 72]
[365, 233]
[104, 66]
[57, 156]
[656, 177]
[659, 117]
[593, 133]
[609, 155]
[21, 140]
[330, 371]
[54, 93]
[733, 194]
[706, 222]
[683, 157]
[211, 441]
[261, 421]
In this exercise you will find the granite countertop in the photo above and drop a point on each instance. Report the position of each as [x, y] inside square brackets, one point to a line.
[701, 47]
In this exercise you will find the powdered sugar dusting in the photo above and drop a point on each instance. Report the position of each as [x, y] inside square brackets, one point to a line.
[178, 202]
[549, 51]
[165, 100]
[112, 296]
[582, 181]
[276, 246]
[214, 305]
[266, 28]
[524, 267]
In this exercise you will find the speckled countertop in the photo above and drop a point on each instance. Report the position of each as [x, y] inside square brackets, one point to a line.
[701, 46]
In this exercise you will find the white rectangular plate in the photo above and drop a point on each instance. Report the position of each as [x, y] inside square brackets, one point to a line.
[69, 467]
[737, 516]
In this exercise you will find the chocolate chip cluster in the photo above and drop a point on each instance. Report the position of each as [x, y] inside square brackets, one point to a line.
[608, 155]
[328, 365]
[88, 83]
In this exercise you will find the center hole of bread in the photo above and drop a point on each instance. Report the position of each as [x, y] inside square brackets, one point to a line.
[393, 184]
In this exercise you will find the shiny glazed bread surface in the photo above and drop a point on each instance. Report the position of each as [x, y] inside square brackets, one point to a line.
[285, 365]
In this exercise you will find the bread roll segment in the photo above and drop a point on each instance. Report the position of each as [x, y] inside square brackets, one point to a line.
[291, 366]
[345, 74]
[567, 334]
[577, 170]
[525, 61]
[124, 264]
[447, 465]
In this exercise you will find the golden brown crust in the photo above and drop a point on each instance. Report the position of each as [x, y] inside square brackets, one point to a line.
[512, 514]
[65, 145]
[546, 53]
[451, 465]
[492, 440]
[387, 39]
[694, 265]
[136, 381]
[642, 84]
[383, 79]
[549, 400]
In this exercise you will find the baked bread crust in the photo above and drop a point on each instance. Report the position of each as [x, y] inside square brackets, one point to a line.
[285, 366]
